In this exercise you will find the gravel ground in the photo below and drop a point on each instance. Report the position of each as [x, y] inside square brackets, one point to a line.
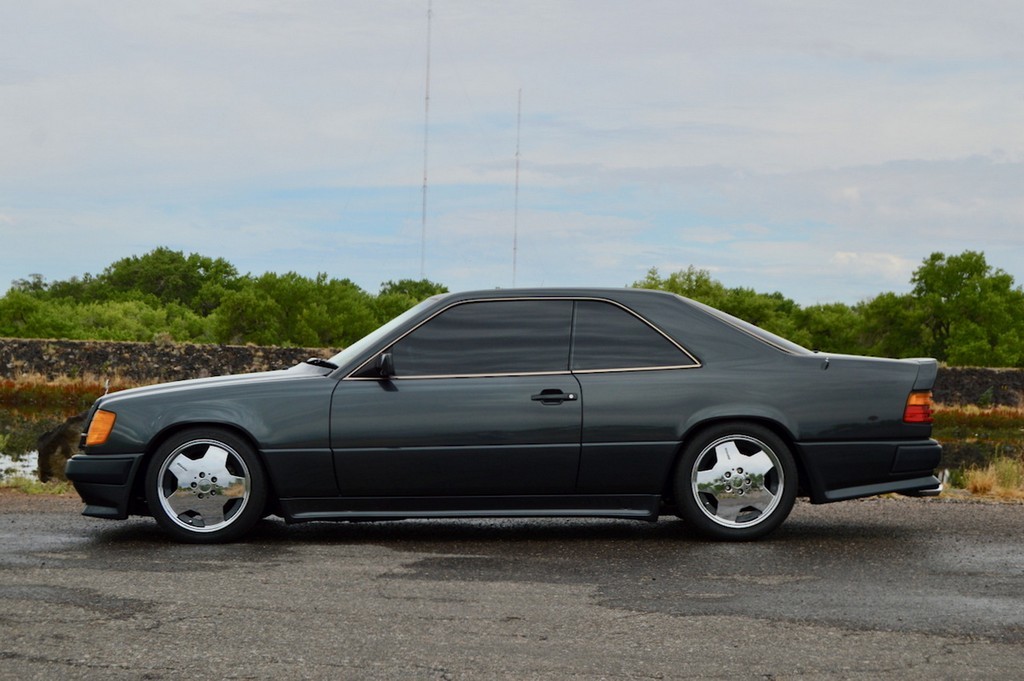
[877, 588]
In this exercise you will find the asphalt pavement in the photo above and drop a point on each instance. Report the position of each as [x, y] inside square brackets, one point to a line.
[878, 588]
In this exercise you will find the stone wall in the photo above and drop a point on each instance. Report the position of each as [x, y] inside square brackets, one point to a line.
[142, 362]
[980, 386]
[152, 362]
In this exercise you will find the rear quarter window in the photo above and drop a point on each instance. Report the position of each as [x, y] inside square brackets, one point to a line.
[608, 337]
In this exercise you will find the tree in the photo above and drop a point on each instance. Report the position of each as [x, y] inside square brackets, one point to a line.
[972, 313]
[893, 326]
[692, 283]
[832, 327]
[290, 309]
[396, 297]
[196, 281]
[771, 311]
[35, 283]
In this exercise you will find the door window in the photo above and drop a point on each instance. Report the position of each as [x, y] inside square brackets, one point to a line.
[489, 338]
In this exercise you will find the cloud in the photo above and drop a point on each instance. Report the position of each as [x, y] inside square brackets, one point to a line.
[816, 150]
[865, 265]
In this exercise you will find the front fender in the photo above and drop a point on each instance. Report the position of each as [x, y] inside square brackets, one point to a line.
[282, 414]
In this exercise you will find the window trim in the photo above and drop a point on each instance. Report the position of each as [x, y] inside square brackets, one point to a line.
[568, 372]
[658, 367]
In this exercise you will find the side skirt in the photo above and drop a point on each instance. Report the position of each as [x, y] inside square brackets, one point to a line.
[634, 506]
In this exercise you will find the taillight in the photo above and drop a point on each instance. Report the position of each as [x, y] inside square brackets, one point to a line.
[919, 407]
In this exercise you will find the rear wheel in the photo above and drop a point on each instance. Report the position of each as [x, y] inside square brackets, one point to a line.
[736, 481]
[205, 485]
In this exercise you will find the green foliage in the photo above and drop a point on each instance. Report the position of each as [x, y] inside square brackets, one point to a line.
[771, 311]
[973, 313]
[165, 296]
[396, 297]
[25, 316]
[160, 277]
[961, 311]
[893, 326]
[290, 309]
[834, 326]
[34, 486]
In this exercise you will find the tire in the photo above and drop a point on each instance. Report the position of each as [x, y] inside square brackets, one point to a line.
[735, 481]
[206, 486]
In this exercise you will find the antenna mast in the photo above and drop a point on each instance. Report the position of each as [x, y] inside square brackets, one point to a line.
[515, 212]
[426, 139]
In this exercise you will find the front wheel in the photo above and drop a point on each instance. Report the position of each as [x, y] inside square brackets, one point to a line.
[736, 482]
[205, 485]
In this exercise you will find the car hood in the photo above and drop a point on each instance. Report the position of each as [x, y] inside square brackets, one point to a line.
[214, 382]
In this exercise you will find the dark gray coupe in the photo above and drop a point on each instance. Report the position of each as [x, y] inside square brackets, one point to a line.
[547, 402]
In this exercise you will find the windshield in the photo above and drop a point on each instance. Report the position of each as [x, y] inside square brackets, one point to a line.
[376, 336]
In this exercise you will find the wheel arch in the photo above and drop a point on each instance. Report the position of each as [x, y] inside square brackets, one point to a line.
[139, 501]
[697, 428]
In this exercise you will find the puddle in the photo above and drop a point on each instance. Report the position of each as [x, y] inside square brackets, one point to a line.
[23, 467]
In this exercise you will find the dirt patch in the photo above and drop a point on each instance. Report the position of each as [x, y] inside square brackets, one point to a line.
[16, 501]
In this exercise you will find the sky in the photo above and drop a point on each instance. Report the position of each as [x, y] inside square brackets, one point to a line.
[822, 150]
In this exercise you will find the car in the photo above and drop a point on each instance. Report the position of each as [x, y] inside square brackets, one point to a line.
[615, 403]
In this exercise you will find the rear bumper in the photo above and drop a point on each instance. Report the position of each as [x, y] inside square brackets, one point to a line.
[848, 470]
[104, 482]
[928, 492]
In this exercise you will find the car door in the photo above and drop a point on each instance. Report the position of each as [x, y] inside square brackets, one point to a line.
[480, 401]
[635, 381]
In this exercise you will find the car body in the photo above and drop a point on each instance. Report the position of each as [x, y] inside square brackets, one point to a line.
[622, 403]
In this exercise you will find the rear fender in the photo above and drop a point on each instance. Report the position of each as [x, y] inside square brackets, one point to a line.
[759, 414]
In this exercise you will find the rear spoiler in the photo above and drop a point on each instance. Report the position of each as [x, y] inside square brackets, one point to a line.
[927, 370]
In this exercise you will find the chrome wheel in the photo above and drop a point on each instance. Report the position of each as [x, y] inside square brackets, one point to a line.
[735, 481]
[206, 485]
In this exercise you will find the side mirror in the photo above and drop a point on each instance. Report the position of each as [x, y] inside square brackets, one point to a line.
[385, 365]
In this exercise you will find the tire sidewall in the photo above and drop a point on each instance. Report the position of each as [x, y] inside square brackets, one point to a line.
[241, 523]
[689, 506]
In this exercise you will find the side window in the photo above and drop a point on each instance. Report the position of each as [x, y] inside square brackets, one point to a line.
[609, 337]
[491, 337]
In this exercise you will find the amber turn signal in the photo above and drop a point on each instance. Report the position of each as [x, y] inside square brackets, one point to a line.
[919, 407]
[100, 427]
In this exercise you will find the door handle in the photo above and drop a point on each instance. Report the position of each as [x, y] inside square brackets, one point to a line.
[554, 396]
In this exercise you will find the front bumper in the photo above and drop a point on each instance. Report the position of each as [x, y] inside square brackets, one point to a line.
[105, 482]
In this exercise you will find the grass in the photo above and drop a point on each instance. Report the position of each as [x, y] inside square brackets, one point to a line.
[1003, 478]
[968, 418]
[996, 437]
[33, 486]
[32, 393]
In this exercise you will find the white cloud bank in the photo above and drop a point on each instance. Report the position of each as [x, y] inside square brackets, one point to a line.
[817, 150]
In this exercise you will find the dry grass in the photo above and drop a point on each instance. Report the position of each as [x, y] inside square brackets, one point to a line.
[971, 415]
[86, 379]
[999, 430]
[1003, 478]
[34, 392]
[34, 486]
